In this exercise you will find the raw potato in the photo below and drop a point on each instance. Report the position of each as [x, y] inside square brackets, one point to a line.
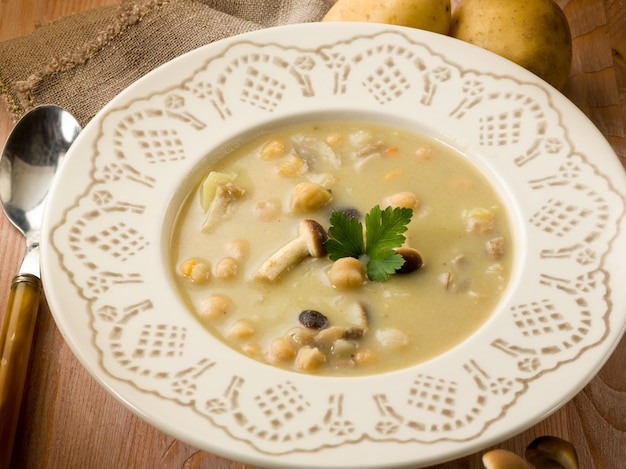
[532, 33]
[430, 15]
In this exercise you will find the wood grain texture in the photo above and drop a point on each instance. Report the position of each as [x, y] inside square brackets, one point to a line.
[69, 421]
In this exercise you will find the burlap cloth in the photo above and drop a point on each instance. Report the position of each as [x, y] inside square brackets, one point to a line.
[82, 61]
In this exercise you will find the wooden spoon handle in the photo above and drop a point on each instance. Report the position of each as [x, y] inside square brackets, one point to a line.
[15, 343]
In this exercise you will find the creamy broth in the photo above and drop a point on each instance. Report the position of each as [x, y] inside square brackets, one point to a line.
[459, 225]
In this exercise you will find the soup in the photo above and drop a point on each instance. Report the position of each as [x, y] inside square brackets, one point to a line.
[254, 262]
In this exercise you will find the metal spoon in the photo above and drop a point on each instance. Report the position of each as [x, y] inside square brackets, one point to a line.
[31, 156]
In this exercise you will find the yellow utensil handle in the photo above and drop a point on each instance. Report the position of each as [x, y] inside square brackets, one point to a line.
[15, 344]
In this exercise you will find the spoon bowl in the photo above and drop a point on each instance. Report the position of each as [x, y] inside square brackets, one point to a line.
[32, 154]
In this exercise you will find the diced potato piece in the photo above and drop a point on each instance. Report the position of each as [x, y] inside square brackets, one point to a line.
[209, 186]
[214, 307]
[195, 270]
[479, 220]
[393, 339]
[344, 347]
[226, 268]
[241, 329]
[292, 166]
[273, 149]
[310, 358]
[360, 137]
[308, 197]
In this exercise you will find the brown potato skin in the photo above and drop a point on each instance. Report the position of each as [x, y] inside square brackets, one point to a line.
[532, 33]
[429, 15]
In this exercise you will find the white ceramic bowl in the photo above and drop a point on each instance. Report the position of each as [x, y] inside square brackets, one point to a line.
[106, 268]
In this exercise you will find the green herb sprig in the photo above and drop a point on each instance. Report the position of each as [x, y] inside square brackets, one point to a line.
[383, 233]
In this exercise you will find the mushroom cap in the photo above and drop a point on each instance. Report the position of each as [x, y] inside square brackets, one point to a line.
[551, 451]
[503, 459]
[314, 235]
[412, 260]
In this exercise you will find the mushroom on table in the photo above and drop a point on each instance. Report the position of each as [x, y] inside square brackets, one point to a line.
[551, 451]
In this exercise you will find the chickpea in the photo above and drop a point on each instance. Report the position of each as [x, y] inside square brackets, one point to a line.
[402, 199]
[273, 149]
[310, 358]
[308, 196]
[292, 166]
[251, 350]
[238, 248]
[334, 139]
[267, 211]
[365, 357]
[242, 329]
[214, 307]
[195, 270]
[282, 350]
[393, 339]
[226, 268]
[346, 272]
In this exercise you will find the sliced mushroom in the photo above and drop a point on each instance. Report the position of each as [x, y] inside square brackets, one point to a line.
[369, 149]
[503, 459]
[495, 247]
[551, 452]
[317, 153]
[310, 242]
[358, 316]
[412, 260]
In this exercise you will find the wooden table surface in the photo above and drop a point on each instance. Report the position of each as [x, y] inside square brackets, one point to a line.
[68, 421]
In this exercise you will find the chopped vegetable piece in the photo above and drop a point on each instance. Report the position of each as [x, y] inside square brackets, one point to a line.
[479, 220]
[308, 197]
[222, 204]
[209, 187]
[273, 149]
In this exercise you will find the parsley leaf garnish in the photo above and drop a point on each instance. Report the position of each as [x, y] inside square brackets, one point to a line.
[383, 232]
[346, 236]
